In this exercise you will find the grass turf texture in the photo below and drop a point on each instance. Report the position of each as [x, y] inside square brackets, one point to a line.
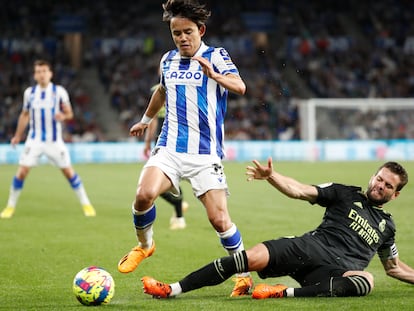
[49, 240]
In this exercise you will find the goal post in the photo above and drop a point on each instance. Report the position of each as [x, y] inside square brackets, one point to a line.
[359, 118]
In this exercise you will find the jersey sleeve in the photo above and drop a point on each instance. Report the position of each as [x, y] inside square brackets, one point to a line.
[386, 252]
[223, 63]
[326, 194]
[27, 99]
[330, 193]
[160, 69]
[63, 96]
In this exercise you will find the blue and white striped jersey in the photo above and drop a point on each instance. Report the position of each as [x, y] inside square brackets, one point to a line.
[42, 105]
[195, 105]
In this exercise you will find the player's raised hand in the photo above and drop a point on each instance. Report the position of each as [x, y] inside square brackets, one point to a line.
[137, 129]
[205, 65]
[231, 82]
[259, 171]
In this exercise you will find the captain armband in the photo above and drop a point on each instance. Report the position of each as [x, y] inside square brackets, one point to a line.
[388, 253]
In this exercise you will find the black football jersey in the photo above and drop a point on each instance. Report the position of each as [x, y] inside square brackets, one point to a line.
[353, 229]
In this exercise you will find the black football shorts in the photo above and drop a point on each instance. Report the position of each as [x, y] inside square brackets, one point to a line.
[300, 258]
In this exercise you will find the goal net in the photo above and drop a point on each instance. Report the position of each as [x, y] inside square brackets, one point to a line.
[356, 119]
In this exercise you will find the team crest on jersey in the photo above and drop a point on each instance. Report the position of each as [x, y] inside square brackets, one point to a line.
[381, 225]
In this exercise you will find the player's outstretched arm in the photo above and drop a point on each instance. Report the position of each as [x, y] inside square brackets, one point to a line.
[399, 270]
[287, 185]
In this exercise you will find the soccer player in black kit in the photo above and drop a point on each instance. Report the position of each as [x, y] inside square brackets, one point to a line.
[328, 261]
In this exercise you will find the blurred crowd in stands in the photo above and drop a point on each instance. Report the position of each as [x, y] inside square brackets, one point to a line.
[283, 49]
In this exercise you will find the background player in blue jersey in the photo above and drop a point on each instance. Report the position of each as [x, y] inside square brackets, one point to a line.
[177, 220]
[45, 106]
[328, 261]
[194, 84]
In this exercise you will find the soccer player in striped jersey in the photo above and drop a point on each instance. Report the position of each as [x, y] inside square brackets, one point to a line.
[45, 107]
[194, 84]
[177, 220]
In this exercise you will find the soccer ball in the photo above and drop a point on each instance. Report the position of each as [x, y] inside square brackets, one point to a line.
[93, 286]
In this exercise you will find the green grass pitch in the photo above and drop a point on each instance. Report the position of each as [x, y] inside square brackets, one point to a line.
[49, 240]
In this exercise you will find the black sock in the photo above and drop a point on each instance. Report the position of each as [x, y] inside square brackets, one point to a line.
[355, 285]
[174, 200]
[215, 272]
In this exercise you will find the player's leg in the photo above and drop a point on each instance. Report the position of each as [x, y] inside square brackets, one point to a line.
[16, 188]
[209, 184]
[174, 200]
[295, 257]
[28, 159]
[340, 286]
[214, 273]
[303, 261]
[351, 284]
[58, 154]
[152, 183]
[177, 220]
[215, 202]
[77, 186]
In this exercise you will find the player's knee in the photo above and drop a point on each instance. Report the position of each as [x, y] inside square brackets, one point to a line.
[367, 276]
[363, 283]
[220, 222]
[258, 257]
[144, 198]
[69, 172]
[22, 172]
[370, 279]
[352, 285]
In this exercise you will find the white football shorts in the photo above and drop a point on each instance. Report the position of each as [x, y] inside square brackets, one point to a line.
[204, 172]
[56, 152]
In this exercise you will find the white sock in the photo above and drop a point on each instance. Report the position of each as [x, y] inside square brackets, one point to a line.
[144, 236]
[290, 292]
[82, 196]
[13, 197]
[175, 289]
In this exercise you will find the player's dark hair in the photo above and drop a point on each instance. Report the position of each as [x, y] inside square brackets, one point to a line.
[192, 10]
[42, 62]
[397, 169]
